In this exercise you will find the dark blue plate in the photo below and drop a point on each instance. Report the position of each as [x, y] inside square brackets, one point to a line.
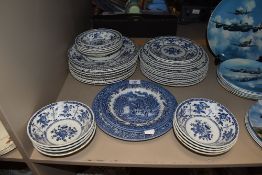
[134, 110]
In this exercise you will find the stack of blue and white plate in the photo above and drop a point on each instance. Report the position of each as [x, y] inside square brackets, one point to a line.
[102, 56]
[205, 126]
[241, 77]
[61, 128]
[173, 61]
[253, 121]
[134, 110]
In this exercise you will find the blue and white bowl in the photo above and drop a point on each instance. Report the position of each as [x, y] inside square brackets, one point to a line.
[99, 41]
[205, 125]
[60, 124]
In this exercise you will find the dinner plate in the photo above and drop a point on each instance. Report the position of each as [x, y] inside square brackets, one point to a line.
[134, 110]
[254, 117]
[234, 30]
[243, 75]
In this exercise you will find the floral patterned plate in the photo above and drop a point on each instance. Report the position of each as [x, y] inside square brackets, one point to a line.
[60, 124]
[206, 123]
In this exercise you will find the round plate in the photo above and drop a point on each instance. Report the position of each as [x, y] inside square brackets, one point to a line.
[134, 110]
[243, 74]
[234, 30]
[206, 122]
[255, 119]
[60, 124]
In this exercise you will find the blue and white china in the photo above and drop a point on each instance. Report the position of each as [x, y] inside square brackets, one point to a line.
[242, 77]
[102, 70]
[173, 61]
[205, 126]
[173, 49]
[234, 30]
[6, 143]
[60, 124]
[134, 110]
[70, 147]
[70, 151]
[253, 121]
[98, 41]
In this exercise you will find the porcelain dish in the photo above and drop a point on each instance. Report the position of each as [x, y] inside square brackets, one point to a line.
[205, 126]
[241, 77]
[173, 61]
[134, 110]
[234, 30]
[61, 127]
[115, 61]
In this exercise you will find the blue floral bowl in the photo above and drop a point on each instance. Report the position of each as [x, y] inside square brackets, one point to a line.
[60, 124]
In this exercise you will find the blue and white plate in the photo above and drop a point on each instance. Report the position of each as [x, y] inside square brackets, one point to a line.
[235, 30]
[206, 123]
[106, 69]
[173, 49]
[243, 76]
[134, 110]
[173, 61]
[60, 124]
[99, 41]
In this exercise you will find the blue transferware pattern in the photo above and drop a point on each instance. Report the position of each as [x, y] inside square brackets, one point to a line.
[64, 132]
[200, 60]
[234, 30]
[99, 39]
[254, 118]
[128, 110]
[221, 122]
[202, 130]
[173, 49]
[60, 123]
[128, 54]
[243, 74]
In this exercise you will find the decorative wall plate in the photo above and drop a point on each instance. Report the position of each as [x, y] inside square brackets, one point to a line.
[255, 119]
[235, 30]
[243, 74]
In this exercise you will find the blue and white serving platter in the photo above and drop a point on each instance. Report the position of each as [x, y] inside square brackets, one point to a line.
[243, 76]
[235, 30]
[206, 123]
[60, 124]
[134, 110]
